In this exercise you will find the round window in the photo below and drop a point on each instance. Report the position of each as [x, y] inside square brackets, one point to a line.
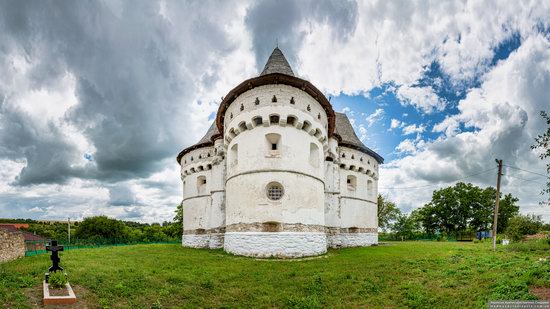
[275, 191]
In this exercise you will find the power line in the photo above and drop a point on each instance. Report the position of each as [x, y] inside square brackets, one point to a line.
[540, 183]
[517, 168]
[437, 185]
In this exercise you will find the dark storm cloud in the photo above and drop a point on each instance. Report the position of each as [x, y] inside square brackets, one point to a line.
[44, 147]
[270, 20]
[134, 71]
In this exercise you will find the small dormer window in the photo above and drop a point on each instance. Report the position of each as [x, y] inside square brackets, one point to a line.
[231, 116]
[191, 158]
[257, 101]
[319, 116]
[343, 155]
[200, 157]
[292, 101]
[242, 107]
[274, 99]
[308, 108]
[361, 159]
[352, 157]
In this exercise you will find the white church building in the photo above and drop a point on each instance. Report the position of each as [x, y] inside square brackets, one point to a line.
[279, 173]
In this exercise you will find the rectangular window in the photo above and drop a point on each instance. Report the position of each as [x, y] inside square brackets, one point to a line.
[273, 146]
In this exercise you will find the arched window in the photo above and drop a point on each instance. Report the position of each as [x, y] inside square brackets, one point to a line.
[314, 155]
[242, 126]
[201, 185]
[257, 120]
[232, 133]
[234, 155]
[351, 182]
[306, 126]
[273, 143]
[274, 119]
[291, 120]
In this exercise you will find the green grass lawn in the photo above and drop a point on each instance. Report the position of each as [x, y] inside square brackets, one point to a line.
[398, 274]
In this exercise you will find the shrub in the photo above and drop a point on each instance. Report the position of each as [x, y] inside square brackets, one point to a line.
[519, 226]
[57, 280]
[531, 245]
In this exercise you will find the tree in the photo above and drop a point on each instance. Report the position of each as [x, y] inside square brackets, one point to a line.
[520, 225]
[406, 227]
[465, 206]
[178, 219]
[542, 143]
[101, 227]
[387, 211]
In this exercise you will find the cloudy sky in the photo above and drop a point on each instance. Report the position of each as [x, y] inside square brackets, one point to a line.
[97, 98]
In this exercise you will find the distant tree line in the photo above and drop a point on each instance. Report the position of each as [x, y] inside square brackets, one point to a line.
[102, 229]
[457, 210]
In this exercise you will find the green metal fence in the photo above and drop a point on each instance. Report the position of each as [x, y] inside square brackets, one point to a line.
[39, 247]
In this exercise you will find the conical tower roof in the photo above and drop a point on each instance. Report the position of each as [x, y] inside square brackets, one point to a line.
[277, 63]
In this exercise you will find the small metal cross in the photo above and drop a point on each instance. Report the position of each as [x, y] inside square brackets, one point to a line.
[54, 248]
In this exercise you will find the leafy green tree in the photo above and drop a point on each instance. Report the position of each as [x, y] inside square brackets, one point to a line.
[101, 227]
[406, 226]
[520, 225]
[387, 212]
[465, 206]
[542, 143]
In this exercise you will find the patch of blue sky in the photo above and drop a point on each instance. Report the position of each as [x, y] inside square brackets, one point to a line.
[380, 136]
[506, 47]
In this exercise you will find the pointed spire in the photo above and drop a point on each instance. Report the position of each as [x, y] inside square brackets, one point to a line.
[277, 64]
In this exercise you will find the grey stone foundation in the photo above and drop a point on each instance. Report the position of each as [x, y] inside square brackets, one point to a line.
[275, 244]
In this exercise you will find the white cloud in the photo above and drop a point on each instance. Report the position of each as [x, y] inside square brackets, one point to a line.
[422, 98]
[411, 129]
[406, 146]
[362, 133]
[394, 123]
[374, 117]
[504, 115]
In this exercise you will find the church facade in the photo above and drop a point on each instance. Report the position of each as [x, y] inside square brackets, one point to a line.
[279, 173]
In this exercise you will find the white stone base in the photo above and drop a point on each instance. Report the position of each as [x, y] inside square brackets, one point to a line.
[216, 241]
[275, 244]
[195, 241]
[343, 240]
[210, 241]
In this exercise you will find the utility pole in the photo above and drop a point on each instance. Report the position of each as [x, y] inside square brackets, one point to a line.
[499, 162]
[69, 224]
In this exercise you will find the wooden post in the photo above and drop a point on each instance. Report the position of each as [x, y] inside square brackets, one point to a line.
[496, 205]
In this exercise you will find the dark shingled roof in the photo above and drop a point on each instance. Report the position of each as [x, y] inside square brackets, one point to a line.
[277, 64]
[348, 138]
[206, 140]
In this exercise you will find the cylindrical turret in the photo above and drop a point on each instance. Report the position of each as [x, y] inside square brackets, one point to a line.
[275, 136]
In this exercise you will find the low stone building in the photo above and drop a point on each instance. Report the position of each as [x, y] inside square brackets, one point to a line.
[12, 245]
[279, 173]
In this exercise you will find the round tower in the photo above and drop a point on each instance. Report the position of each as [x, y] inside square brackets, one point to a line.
[276, 128]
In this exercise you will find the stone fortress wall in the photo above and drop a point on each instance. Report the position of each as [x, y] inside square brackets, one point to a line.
[12, 245]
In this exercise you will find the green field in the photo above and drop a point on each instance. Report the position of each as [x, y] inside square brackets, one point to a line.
[397, 274]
